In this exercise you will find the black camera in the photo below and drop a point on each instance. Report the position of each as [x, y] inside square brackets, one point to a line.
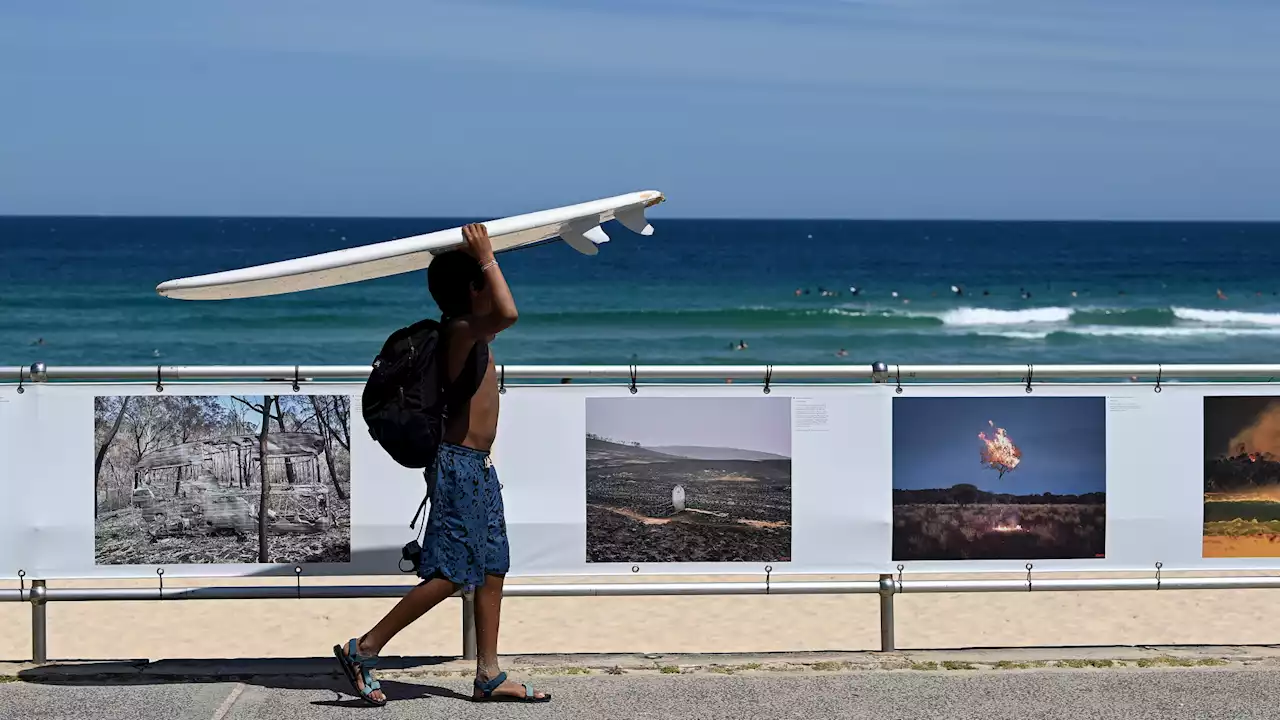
[411, 553]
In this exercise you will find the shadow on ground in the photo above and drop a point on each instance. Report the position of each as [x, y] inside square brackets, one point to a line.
[272, 673]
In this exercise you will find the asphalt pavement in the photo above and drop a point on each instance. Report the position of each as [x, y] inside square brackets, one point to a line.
[1234, 693]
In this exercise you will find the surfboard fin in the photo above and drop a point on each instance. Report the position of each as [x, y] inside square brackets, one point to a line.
[633, 219]
[584, 241]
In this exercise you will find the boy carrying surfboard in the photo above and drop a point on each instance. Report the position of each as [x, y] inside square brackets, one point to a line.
[465, 538]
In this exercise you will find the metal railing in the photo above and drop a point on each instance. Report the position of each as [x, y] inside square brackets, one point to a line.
[878, 372]
[887, 586]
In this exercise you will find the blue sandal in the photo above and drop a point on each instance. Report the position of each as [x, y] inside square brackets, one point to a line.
[487, 689]
[356, 665]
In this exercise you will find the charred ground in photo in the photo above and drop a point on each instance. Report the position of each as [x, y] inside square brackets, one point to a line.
[181, 479]
[735, 509]
[964, 523]
[130, 537]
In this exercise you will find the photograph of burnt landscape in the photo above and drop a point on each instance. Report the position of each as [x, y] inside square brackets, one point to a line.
[999, 478]
[672, 479]
[1241, 477]
[183, 479]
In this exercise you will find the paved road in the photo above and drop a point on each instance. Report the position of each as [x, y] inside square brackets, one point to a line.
[1230, 693]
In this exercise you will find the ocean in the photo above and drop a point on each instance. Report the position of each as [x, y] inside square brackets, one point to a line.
[81, 290]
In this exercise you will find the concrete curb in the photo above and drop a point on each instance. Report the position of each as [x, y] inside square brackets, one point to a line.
[996, 659]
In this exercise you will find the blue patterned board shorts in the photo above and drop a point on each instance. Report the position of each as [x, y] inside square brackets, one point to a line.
[466, 534]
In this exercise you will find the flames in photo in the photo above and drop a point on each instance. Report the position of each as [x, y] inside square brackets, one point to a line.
[673, 479]
[183, 479]
[999, 478]
[1241, 477]
[998, 451]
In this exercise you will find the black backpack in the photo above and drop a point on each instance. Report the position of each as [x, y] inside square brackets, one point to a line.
[407, 397]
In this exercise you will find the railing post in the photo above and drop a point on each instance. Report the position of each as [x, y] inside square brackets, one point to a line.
[39, 623]
[887, 590]
[469, 626]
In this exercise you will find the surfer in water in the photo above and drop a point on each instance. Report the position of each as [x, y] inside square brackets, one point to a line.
[465, 543]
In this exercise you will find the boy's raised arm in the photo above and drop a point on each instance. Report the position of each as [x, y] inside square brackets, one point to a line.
[501, 312]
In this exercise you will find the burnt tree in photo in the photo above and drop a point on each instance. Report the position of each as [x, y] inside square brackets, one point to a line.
[177, 483]
[264, 494]
[101, 405]
[264, 502]
[141, 422]
[279, 417]
[330, 432]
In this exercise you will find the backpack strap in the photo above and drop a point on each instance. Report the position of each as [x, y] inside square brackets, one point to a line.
[422, 506]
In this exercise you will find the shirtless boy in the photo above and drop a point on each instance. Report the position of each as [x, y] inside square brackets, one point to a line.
[466, 533]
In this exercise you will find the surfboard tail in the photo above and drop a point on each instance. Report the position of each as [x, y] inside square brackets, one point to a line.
[586, 235]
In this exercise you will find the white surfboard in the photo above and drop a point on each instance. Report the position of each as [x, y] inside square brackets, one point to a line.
[578, 225]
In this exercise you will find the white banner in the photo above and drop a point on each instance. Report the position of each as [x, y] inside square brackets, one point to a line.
[122, 480]
[14, 424]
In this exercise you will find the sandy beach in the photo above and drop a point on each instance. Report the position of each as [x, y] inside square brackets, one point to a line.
[309, 628]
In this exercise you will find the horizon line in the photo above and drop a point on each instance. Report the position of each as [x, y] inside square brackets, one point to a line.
[685, 218]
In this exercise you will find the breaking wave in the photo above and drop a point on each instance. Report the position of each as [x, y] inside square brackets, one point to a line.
[1227, 317]
[1172, 333]
[967, 317]
[1024, 324]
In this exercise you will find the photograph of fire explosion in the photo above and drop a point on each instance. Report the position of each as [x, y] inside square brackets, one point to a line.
[1241, 477]
[999, 478]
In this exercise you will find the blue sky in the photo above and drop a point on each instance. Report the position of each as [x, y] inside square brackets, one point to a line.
[858, 108]
[1063, 443]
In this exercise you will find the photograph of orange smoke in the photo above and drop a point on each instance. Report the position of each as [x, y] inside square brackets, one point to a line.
[1019, 478]
[1241, 477]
